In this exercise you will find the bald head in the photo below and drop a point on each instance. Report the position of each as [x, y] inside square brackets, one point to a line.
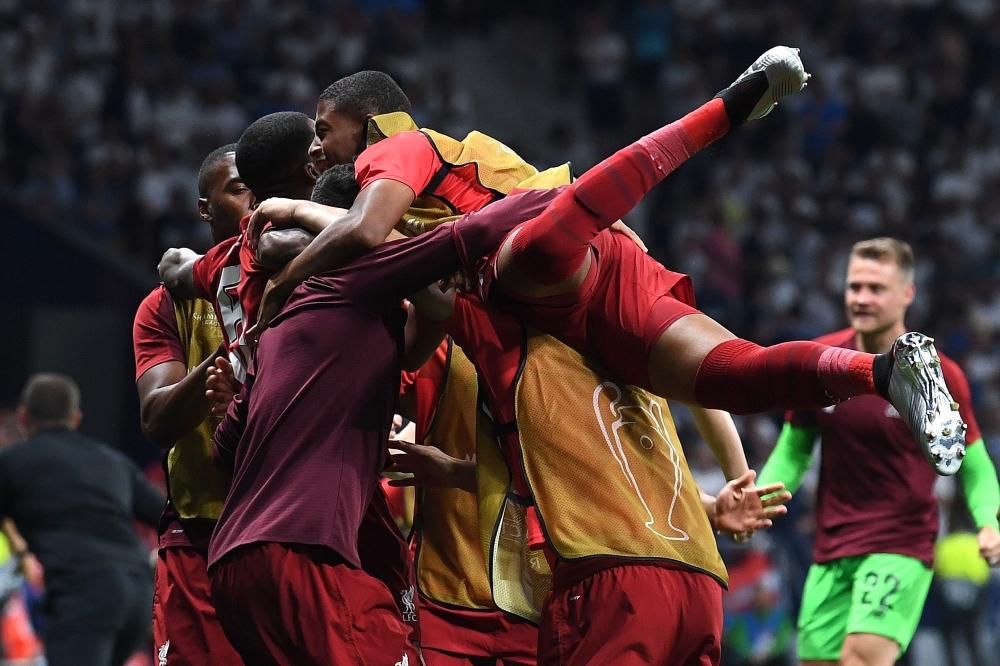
[50, 400]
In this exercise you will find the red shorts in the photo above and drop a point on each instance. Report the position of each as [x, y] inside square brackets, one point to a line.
[291, 604]
[454, 636]
[633, 614]
[625, 303]
[385, 555]
[185, 626]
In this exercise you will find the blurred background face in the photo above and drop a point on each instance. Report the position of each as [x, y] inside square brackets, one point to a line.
[877, 294]
[340, 136]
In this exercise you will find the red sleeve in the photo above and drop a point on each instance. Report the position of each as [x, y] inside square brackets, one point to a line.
[959, 387]
[154, 332]
[407, 157]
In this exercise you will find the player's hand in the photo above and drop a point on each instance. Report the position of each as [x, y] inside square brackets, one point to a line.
[276, 292]
[620, 227]
[220, 386]
[429, 467]
[740, 511]
[278, 211]
[989, 545]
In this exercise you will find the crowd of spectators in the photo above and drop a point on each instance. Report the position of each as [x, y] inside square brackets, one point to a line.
[106, 109]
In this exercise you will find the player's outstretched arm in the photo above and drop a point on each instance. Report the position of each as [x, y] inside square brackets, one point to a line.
[172, 401]
[978, 477]
[367, 224]
[718, 430]
[430, 467]
[790, 458]
[739, 509]
[176, 270]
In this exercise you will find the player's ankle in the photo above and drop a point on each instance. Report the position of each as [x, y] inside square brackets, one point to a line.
[742, 96]
[882, 373]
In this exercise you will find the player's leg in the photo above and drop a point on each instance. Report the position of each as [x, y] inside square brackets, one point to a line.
[695, 359]
[887, 601]
[547, 255]
[826, 601]
[186, 628]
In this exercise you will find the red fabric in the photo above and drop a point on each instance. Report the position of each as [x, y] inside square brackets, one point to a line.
[154, 332]
[253, 276]
[385, 556]
[304, 472]
[876, 489]
[409, 158]
[617, 314]
[294, 605]
[464, 636]
[207, 268]
[425, 385]
[217, 277]
[552, 247]
[743, 378]
[633, 614]
[183, 613]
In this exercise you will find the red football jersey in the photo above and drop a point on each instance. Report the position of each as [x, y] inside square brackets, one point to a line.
[217, 277]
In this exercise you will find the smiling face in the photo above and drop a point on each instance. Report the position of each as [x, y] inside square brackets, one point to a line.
[877, 295]
[340, 137]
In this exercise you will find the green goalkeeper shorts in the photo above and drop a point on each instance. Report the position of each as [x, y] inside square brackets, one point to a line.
[881, 594]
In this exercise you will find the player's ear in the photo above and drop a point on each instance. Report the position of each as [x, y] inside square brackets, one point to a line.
[910, 293]
[204, 210]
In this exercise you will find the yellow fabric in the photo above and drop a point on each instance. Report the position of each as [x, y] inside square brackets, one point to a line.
[450, 563]
[520, 576]
[478, 156]
[197, 485]
[605, 465]
[957, 556]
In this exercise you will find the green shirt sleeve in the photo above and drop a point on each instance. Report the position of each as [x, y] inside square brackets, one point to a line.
[979, 481]
[791, 457]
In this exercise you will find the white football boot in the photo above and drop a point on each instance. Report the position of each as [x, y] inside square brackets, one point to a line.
[785, 73]
[918, 392]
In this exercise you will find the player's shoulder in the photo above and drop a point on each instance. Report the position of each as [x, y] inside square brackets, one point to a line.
[155, 299]
[842, 338]
[156, 302]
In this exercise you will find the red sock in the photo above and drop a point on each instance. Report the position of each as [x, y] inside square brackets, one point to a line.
[551, 247]
[742, 377]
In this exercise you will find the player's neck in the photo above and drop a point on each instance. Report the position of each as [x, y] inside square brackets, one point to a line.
[880, 342]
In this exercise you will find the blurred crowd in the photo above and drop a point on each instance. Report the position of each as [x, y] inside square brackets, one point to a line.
[107, 108]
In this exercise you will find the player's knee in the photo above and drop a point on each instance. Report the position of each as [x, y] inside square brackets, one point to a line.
[868, 650]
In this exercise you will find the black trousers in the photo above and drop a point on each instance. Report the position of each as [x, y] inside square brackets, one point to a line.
[98, 618]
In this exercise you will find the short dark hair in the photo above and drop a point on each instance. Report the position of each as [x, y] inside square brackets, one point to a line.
[336, 187]
[212, 160]
[272, 149]
[367, 93]
[50, 397]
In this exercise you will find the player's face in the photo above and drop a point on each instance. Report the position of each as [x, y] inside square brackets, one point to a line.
[877, 295]
[340, 137]
[228, 199]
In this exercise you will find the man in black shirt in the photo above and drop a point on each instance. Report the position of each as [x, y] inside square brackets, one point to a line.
[74, 500]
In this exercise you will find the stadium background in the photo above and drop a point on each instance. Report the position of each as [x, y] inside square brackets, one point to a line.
[107, 108]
